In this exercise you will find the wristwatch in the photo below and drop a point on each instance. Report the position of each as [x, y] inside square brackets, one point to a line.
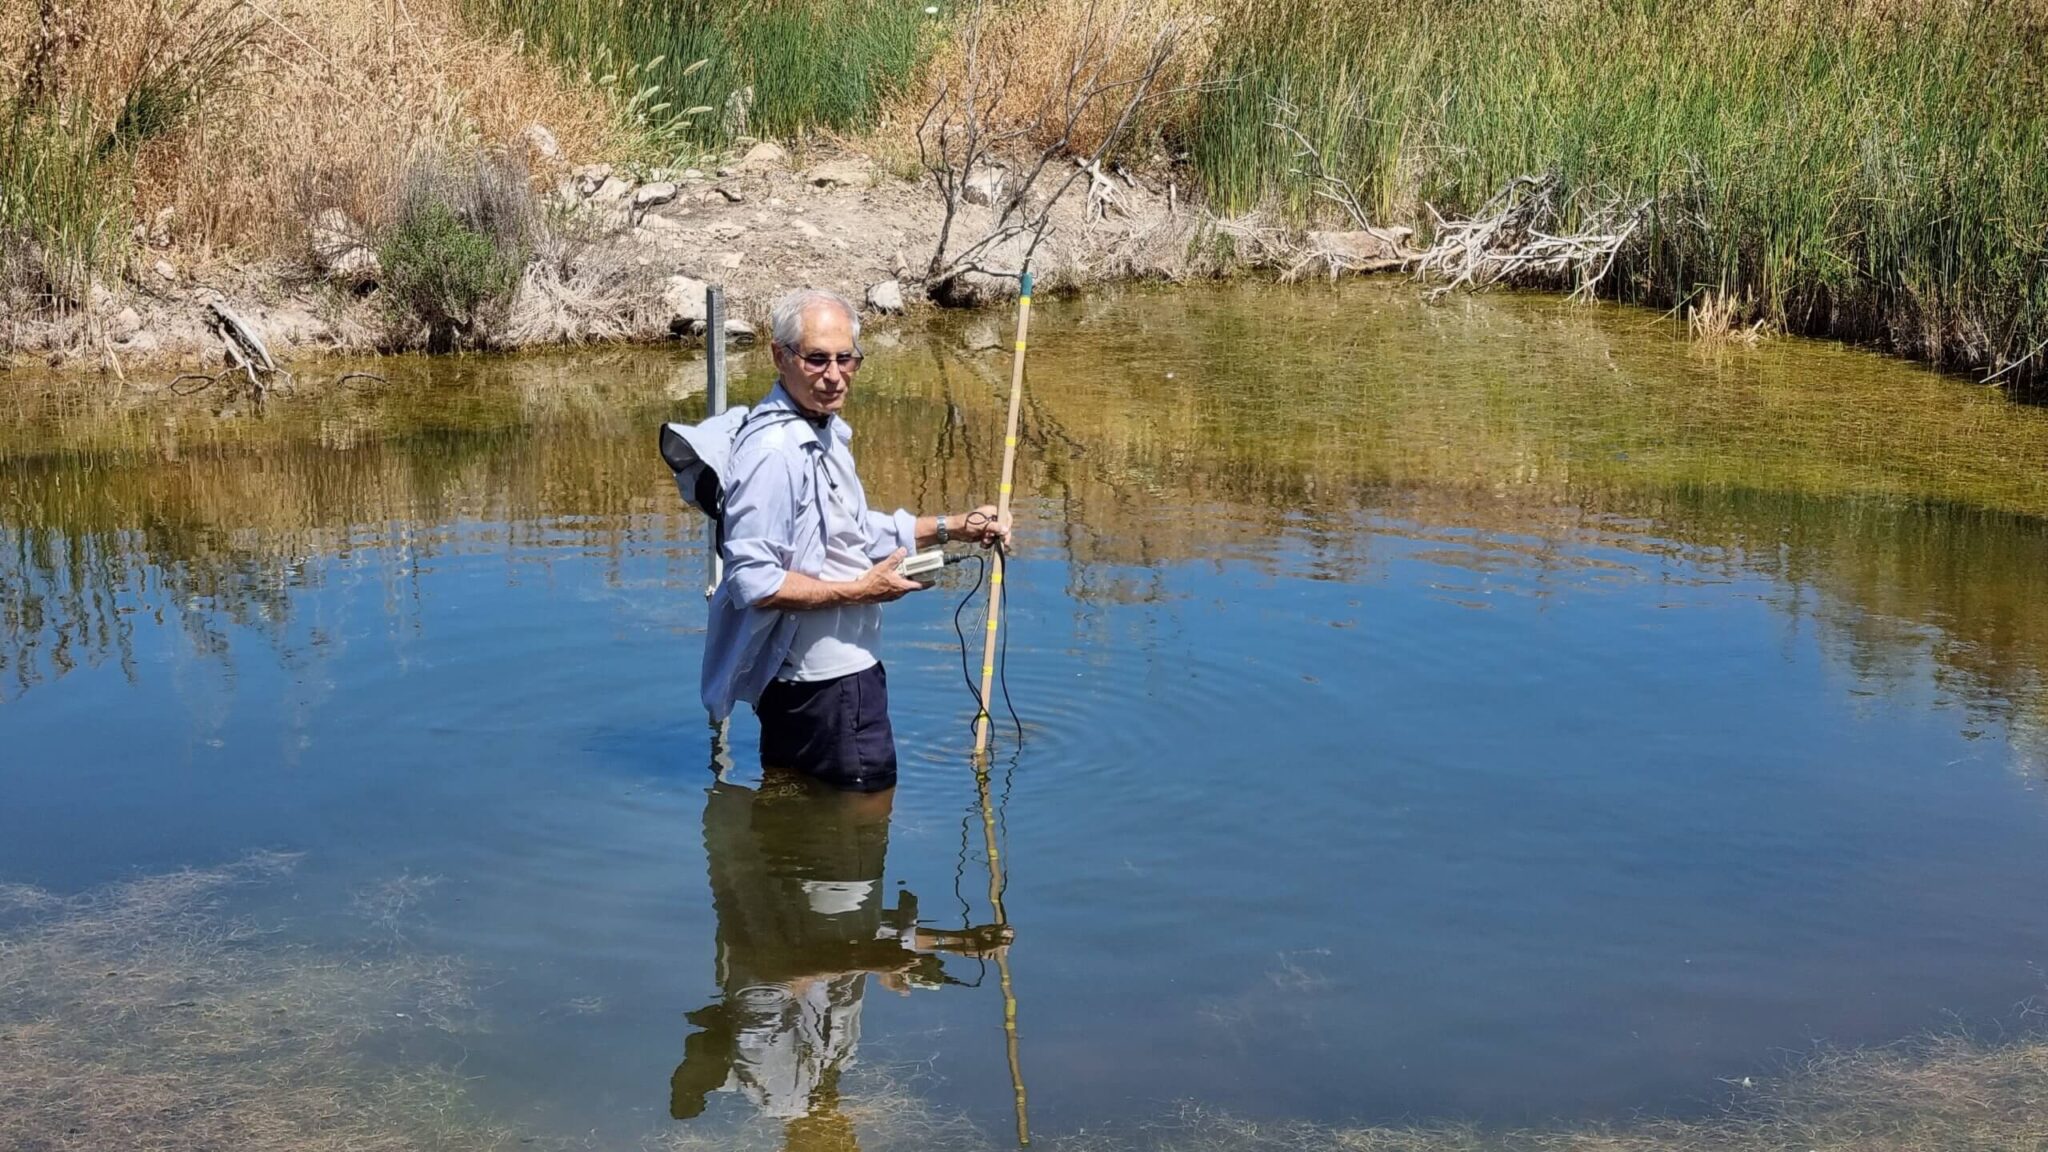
[944, 533]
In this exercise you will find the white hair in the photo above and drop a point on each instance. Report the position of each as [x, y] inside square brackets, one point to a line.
[788, 317]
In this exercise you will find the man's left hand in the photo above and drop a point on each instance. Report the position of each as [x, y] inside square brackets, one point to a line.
[982, 526]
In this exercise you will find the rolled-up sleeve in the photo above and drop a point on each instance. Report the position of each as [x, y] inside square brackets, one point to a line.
[760, 536]
[888, 531]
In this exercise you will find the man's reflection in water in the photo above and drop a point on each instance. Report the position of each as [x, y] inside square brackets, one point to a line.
[796, 879]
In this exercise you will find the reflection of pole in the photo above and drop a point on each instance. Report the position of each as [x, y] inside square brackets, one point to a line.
[1001, 562]
[714, 403]
[995, 899]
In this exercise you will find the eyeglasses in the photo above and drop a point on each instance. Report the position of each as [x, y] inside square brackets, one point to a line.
[819, 361]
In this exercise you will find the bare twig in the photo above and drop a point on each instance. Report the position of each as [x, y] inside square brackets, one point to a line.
[2033, 352]
[968, 131]
[1511, 240]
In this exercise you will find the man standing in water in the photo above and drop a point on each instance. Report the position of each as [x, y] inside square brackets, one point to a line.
[797, 622]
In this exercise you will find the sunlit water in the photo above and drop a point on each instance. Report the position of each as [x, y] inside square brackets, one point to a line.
[1499, 711]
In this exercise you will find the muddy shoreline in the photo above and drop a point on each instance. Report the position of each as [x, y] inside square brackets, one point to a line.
[626, 257]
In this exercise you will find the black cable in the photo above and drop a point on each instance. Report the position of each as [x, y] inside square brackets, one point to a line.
[1002, 595]
[1002, 645]
[966, 674]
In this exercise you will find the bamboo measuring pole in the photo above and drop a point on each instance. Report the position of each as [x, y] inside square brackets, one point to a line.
[995, 900]
[995, 587]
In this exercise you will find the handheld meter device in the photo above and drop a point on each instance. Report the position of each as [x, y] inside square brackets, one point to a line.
[924, 565]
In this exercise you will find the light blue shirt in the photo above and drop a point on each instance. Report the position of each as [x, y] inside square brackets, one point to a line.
[775, 524]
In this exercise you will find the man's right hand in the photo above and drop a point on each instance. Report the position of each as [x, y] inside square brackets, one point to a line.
[883, 583]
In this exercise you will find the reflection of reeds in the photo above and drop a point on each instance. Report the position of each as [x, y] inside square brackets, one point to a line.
[1913, 504]
[141, 1017]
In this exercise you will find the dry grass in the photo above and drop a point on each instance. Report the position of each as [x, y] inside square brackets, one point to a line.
[1722, 318]
[1043, 43]
[142, 1017]
[328, 96]
[428, 83]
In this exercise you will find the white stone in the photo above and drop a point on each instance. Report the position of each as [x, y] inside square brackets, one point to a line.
[763, 156]
[739, 331]
[981, 336]
[692, 174]
[656, 222]
[650, 195]
[123, 327]
[683, 298]
[886, 297]
[569, 191]
[339, 248]
[809, 230]
[612, 190]
[838, 174]
[737, 107]
[730, 261]
[984, 186]
[163, 268]
[543, 142]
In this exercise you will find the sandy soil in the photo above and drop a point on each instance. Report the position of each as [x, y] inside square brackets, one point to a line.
[618, 267]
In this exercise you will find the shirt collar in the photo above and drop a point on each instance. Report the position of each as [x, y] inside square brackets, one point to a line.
[779, 398]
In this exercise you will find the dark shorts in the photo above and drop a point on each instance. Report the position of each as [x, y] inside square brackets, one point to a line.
[836, 731]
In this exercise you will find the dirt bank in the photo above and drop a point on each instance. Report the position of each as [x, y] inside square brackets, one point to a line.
[624, 256]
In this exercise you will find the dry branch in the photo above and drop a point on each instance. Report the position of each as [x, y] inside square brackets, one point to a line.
[1517, 239]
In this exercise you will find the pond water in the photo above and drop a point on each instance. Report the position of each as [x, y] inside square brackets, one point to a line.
[1499, 711]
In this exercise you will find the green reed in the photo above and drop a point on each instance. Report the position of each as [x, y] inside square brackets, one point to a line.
[1866, 169]
[69, 140]
[63, 211]
[810, 63]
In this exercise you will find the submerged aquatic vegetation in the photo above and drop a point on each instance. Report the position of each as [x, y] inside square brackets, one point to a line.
[143, 1016]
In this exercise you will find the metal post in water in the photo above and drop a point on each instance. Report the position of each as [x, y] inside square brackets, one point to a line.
[714, 403]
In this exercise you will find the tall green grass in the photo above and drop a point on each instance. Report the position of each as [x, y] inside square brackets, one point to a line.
[810, 63]
[70, 135]
[1872, 170]
[63, 211]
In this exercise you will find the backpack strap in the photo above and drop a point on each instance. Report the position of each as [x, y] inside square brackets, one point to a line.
[705, 494]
